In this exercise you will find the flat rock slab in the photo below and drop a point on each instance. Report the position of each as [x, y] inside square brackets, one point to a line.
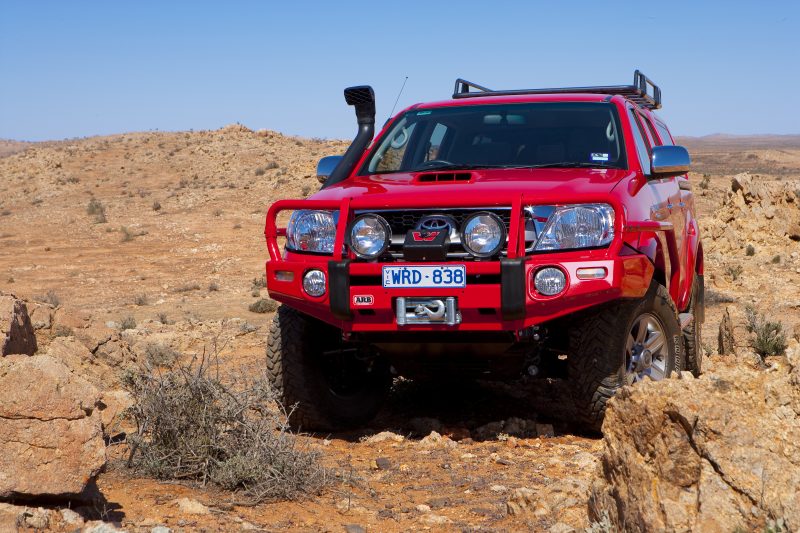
[16, 330]
[50, 430]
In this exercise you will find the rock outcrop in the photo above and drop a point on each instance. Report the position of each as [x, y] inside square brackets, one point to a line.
[16, 330]
[50, 430]
[713, 454]
[755, 211]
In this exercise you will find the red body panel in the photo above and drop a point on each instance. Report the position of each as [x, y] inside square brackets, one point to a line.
[656, 234]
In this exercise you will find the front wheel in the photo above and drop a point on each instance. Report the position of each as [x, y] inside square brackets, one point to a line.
[324, 383]
[620, 344]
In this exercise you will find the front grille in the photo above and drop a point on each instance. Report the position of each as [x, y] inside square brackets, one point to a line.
[401, 222]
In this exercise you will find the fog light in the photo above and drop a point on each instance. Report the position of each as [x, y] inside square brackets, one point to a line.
[284, 275]
[314, 283]
[591, 273]
[550, 281]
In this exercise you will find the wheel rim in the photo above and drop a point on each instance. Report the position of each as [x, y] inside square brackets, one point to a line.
[646, 350]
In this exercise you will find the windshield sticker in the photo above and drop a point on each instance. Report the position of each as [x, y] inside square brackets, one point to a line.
[599, 157]
[420, 113]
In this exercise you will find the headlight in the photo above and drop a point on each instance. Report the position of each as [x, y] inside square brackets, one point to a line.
[578, 226]
[483, 234]
[312, 231]
[369, 236]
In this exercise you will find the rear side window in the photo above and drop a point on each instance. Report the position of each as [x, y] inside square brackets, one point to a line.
[642, 150]
[663, 132]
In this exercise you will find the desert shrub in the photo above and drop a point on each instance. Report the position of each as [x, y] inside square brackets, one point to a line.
[97, 210]
[705, 182]
[127, 323]
[263, 305]
[713, 297]
[750, 250]
[217, 212]
[158, 354]
[734, 271]
[260, 171]
[213, 286]
[768, 336]
[140, 299]
[156, 206]
[127, 234]
[61, 330]
[163, 318]
[193, 426]
[259, 283]
[776, 259]
[188, 287]
[50, 298]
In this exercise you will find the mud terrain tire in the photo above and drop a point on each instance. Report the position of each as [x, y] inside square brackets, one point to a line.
[692, 340]
[296, 351]
[597, 359]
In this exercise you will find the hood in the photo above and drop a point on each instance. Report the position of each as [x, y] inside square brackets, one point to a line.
[495, 186]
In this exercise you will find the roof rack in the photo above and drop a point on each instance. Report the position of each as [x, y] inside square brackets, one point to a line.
[636, 93]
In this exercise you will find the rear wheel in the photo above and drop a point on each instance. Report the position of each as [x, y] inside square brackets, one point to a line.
[620, 344]
[325, 383]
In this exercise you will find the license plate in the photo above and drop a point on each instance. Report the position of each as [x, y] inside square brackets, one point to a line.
[425, 277]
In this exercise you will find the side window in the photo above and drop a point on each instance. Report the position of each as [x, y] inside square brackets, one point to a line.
[654, 140]
[642, 149]
[666, 138]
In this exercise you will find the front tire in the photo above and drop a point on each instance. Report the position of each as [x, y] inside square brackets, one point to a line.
[619, 344]
[691, 333]
[324, 383]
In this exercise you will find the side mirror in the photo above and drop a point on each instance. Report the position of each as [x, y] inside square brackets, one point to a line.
[668, 161]
[326, 166]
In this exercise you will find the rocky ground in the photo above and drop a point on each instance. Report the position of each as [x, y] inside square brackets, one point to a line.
[139, 245]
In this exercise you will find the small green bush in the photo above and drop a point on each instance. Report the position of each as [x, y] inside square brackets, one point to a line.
[768, 336]
[750, 250]
[127, 323]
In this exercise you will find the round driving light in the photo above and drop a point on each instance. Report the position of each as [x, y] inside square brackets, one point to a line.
[369, 236]
[549, 281]
[314, 283]
[483, 234]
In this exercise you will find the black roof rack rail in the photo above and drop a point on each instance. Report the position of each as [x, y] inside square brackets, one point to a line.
[637, 93]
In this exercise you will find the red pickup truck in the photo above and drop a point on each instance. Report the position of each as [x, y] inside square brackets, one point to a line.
[494, 235]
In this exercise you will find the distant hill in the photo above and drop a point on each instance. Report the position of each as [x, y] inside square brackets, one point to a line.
[8, 147]
[723, 141]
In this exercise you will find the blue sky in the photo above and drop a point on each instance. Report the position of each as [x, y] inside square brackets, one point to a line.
[72, 69]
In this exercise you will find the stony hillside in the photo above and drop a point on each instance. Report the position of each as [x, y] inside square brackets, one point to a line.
[148, 247]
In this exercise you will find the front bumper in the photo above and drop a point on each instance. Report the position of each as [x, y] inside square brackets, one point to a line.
[498, 296]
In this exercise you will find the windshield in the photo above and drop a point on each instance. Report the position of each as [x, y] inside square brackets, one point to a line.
[532, 135]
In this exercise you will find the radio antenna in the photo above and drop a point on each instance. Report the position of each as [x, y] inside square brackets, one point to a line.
[398, 97]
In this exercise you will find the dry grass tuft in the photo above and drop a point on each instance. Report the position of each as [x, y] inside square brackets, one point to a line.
[193, 426]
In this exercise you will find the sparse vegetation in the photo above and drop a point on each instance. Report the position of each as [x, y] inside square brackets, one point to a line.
[734, 271]
[97, 210]
[750, 250]
[776, 260]
[141, 299]
[60, 330]
[50, 298]
[306, 190]
[715, 297]
[705, 182]
[163, 318]
[188, 287]
[158, 354]
[156, 206]
[127, 234]
[768, 336]
[191, 425]
[213, 286]
[259, 283]
[263, 305]
[127, 323]
[217, 212]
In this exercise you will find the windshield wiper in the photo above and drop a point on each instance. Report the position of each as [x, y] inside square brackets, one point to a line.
[565, 164]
